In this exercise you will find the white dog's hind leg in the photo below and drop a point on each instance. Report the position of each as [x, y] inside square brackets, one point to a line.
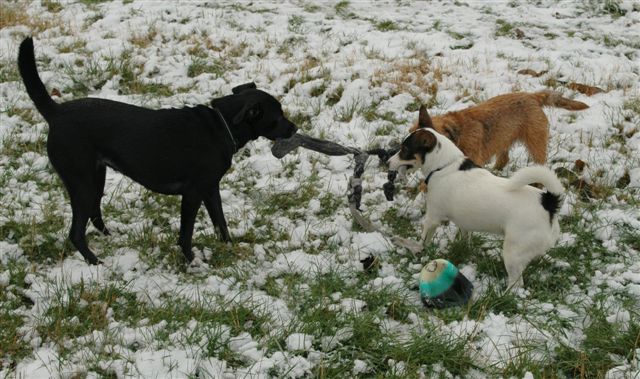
[518, 254]
[515, 261]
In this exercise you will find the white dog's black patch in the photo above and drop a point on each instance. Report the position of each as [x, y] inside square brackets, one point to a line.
[551, 203]
[468, 164]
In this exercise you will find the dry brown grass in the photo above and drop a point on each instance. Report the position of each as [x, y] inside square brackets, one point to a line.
[200, 45]
[12, 14]
[410, 76]
[144, 39]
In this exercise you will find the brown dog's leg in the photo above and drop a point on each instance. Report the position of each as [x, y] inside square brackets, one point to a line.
[536, 140]
[502, 160]
[535, 135]
[478, 157]
[188, 212]
[538, 152]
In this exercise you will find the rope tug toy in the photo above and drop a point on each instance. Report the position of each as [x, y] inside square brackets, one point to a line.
[441, 284]
[283, 147]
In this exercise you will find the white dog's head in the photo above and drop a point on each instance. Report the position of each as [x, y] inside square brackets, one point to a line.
[414, 150]
[424, 147]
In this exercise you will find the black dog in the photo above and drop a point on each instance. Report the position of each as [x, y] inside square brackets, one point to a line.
[172, 151]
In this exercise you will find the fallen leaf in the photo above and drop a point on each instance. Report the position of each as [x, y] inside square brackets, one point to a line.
[585, 89]
[535, 74]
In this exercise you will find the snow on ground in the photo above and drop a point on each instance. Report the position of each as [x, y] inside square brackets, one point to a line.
[351, 72]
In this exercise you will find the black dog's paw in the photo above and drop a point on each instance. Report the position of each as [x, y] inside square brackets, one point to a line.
[104, 231]
[188, 256]
[94, 261]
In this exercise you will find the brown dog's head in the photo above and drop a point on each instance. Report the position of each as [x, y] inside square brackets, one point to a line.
[256, 112]
[417, 145]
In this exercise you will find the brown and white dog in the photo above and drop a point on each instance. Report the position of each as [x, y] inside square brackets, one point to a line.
[492, 127]
[476, 200]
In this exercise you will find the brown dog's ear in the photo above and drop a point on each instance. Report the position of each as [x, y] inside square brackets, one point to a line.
[424, 120]
[243, 87]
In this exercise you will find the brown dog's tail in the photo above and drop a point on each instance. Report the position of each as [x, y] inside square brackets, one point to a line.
[29, 73]
[554, 99]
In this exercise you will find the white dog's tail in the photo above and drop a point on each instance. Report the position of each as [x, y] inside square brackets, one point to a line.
[550, 200]
[536, 174]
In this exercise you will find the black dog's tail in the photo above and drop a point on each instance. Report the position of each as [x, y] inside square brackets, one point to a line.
[29, 72]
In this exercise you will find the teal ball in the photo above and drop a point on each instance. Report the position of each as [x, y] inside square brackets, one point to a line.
[442, 285]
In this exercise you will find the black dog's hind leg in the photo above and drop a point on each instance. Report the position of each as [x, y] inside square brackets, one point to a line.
[81, 203]
[96, 215]
[76, 167]
[188, 212]
[213, 202]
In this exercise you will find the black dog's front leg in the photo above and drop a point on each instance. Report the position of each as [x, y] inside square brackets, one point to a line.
[213, 202]
[188, 212]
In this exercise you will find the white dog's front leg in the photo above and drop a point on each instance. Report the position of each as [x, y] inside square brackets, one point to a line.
[429, 226]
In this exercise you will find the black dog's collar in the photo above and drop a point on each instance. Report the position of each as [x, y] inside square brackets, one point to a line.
[233, 140]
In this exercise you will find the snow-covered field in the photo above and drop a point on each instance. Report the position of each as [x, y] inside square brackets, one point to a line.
[290, 298]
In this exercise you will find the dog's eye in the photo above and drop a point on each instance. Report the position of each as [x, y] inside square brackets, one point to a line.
[253, 113]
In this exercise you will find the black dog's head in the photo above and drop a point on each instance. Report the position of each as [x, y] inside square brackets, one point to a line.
[256, 111]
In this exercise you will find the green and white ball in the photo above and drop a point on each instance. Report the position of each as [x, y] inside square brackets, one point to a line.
[442, 285]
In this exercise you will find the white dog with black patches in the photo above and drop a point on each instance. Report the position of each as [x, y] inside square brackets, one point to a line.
[475, 200]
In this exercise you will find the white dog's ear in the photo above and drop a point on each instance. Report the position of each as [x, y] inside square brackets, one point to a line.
[424, 120]
[426, 140]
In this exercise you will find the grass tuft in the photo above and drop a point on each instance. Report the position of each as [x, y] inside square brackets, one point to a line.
[386, 25]
[201, 66]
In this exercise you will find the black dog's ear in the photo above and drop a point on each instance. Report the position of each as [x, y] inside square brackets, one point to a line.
[424, 120]
[247, 113]
[243, 87]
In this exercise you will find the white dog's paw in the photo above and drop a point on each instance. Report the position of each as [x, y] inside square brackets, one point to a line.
[520, 292]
